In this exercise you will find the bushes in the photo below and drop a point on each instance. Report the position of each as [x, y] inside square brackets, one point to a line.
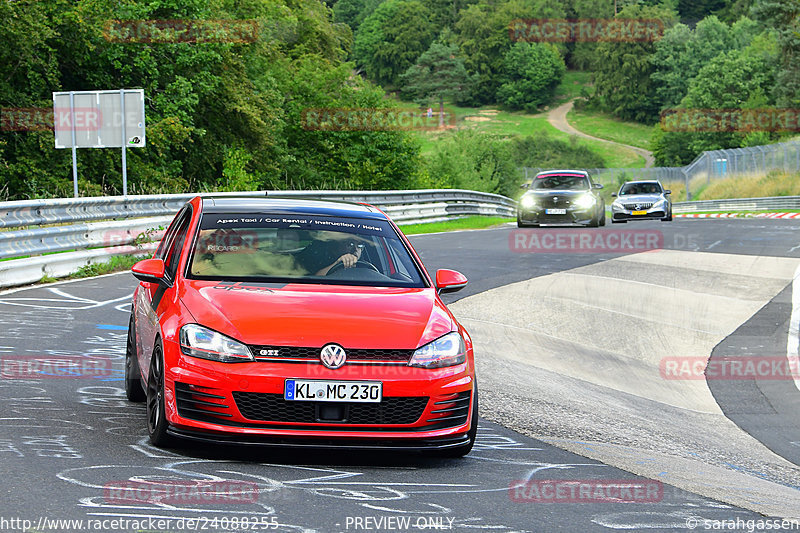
[531, 73]
[490, 163]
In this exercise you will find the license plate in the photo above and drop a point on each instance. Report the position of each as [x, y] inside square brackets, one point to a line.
[333, 391]
[638, 212]
[555, 211]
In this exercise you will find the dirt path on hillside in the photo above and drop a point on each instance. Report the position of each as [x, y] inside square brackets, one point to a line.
[558, 119]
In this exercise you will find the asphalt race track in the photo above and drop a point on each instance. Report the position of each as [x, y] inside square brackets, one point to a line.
[569, 345]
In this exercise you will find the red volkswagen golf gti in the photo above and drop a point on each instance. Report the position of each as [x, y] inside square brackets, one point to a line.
[298, 323]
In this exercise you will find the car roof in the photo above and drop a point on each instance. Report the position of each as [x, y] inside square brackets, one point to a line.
[574, 172]
[298, 206]
[642, 181]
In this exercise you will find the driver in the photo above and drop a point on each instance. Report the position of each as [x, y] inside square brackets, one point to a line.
[320, 256]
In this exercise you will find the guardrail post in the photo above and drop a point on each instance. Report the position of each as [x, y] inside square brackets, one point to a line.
[686, 181]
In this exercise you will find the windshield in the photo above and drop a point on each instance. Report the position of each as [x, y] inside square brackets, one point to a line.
[640, 188]
[561, 182]
[301, 248]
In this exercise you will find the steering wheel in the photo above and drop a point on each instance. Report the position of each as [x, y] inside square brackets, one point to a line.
[358, 264]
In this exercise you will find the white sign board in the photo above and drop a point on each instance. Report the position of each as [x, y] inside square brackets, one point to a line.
[97, 119]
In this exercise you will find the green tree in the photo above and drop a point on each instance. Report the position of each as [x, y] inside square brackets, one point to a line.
[482, 33]
[531, 73]
[583, 55]
[736, 80]
[682, 52]
[623, 81]
[438, 74]
[353, 12]
[784, 17]
[221, 113]
[391, 39]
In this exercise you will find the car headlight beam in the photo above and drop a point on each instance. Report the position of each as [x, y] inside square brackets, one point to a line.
[585, 202]
[528, 202]
[447, 350]
[197, 341]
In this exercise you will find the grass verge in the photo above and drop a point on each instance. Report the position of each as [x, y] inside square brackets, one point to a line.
[605, 126]
[508, 124]
[775, 183]
[474, 222]
[574, 84]
[115, 263]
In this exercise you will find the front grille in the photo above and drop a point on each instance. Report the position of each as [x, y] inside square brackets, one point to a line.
[273, 408]
[638, 207]
[550, 201]
[299, 353]
[450, 411]
[199, 403]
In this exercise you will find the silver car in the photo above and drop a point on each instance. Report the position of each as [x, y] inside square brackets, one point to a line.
[639, 200]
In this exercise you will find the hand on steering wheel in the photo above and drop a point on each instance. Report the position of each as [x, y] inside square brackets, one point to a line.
[357, 264]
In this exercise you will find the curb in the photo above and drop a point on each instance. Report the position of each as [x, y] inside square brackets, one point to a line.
[739, 215]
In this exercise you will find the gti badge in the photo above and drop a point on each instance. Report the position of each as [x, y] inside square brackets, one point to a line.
[332, 356]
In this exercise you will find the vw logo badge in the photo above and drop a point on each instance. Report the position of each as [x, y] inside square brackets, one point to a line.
[332, 356]
[555, 199]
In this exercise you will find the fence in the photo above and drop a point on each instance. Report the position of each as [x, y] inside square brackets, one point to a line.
[716, 164]
[80, 229]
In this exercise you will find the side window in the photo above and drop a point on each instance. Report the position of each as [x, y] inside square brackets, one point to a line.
[169, 235]
[173, 250]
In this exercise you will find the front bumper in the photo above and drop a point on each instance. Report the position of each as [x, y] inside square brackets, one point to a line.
[378, 443]
[650, 214]
[539, 215]
[243, 403]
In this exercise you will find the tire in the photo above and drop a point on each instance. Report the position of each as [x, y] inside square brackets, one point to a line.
[134, 390]
[603, 219]
[156, 418]
[464, 449]
[668, 218]
[520, 224]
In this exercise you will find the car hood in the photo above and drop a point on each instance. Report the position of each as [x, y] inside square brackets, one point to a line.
[639, 198]
[556, 192]
[314, 315]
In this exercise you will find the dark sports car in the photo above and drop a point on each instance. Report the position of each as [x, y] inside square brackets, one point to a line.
[562, 197]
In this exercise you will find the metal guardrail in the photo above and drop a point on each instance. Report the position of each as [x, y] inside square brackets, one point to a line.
[781, 203]
[708, 166]
[80, 227]
[71, 210]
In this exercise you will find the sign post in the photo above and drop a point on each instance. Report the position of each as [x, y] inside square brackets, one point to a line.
[99, 119]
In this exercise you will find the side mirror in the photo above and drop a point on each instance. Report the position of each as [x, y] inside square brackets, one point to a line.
[524, 185]
[613, 195]
[597, 185]
[668, 191]
[149, 270]
[449, 281]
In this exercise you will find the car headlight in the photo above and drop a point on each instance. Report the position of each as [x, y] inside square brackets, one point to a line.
[584, 202]
[659, 204]
[528, 202]
[447, 350]
[205, 343]
[616, 205]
